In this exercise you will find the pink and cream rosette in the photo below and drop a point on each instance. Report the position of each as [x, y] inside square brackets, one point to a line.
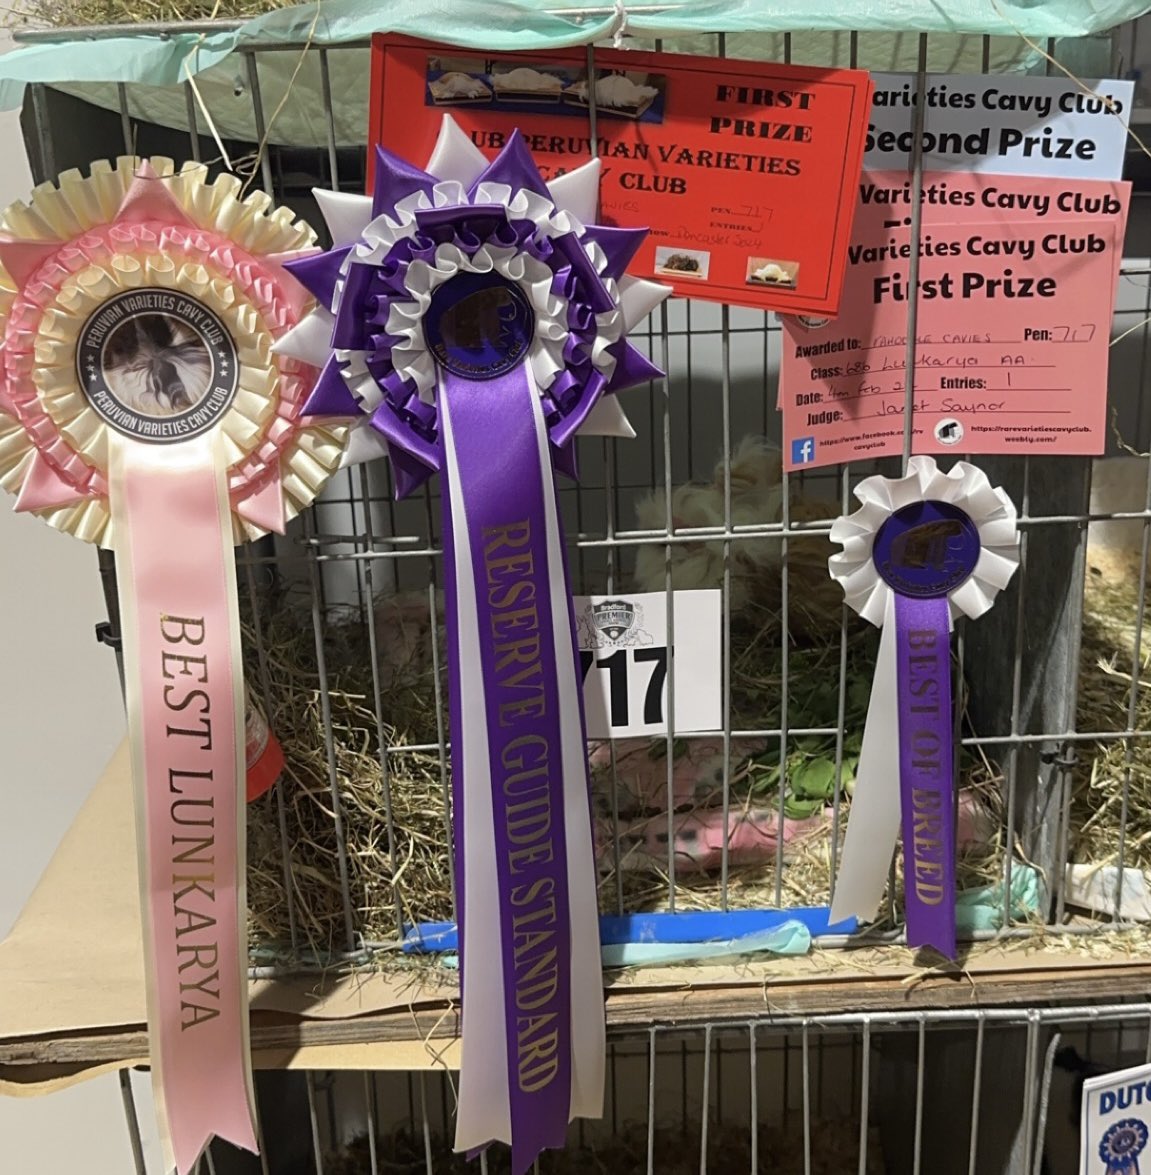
[143, 409]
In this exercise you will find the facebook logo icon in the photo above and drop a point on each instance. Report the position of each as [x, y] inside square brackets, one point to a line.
[803, 451]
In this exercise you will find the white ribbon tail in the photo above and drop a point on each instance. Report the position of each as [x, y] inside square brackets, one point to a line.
[587, 1007]
[484, 1106]
[873, 824]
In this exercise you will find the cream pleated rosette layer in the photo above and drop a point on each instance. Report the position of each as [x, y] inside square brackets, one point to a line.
[143, 408]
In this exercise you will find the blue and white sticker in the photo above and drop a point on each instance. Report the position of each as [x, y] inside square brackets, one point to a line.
[1116, 1123]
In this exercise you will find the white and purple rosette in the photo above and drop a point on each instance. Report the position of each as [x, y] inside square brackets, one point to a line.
[1122, 1145]
[921, 551]
[473, 322]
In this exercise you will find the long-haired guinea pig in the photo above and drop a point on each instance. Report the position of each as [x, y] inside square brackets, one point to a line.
[756, 575]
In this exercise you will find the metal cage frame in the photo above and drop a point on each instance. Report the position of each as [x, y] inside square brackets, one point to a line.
[1038, 738]
[380, 545]
[895, 1072]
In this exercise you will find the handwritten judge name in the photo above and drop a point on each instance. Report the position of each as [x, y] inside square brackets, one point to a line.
[530, 765]
[192, 794]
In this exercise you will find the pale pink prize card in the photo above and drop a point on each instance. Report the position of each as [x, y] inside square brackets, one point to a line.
[1017, 281]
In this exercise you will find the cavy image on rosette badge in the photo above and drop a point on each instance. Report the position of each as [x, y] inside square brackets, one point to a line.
[144, 409]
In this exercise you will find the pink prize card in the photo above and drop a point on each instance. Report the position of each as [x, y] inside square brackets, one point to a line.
[1017, 283]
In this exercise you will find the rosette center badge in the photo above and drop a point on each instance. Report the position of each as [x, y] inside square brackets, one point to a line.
[927, 549]
[157, 365]
[479, 327]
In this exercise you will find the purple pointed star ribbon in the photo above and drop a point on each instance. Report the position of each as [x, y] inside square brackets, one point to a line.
[521, 808]
[409, 422]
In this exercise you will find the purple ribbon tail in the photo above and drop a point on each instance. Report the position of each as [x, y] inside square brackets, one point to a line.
[498, 495]
[926, 770]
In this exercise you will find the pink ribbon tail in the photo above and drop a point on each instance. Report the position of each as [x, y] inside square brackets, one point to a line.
[184, 685]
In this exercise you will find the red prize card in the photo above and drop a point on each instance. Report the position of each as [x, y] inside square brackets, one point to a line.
[745, 172]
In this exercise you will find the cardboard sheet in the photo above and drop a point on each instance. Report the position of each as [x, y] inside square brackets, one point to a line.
[74, 959]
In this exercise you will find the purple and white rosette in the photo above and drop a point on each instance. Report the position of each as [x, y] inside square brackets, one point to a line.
[921, 551]
[473, 322]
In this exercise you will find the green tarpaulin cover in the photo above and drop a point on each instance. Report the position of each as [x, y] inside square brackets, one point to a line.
[155, 62]
[501, 25]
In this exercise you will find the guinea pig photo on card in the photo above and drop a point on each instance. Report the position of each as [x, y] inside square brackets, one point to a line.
[156, 365]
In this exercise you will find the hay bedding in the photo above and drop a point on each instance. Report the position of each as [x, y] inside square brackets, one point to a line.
[834, 1150]
[401, 869]
[66, 13]
[417, 873]
[1105, 770]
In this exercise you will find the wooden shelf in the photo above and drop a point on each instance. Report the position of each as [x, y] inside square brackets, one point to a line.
[684, 997]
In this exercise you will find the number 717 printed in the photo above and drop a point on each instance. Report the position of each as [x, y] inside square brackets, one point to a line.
[628, 662]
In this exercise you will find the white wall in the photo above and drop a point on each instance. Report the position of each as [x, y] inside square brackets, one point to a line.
[60, 720]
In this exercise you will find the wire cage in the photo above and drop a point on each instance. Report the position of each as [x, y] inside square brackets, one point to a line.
[957, 1092]
[696, 500]
[343, 630]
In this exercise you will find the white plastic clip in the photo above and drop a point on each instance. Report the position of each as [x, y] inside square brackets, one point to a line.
[619, 27]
